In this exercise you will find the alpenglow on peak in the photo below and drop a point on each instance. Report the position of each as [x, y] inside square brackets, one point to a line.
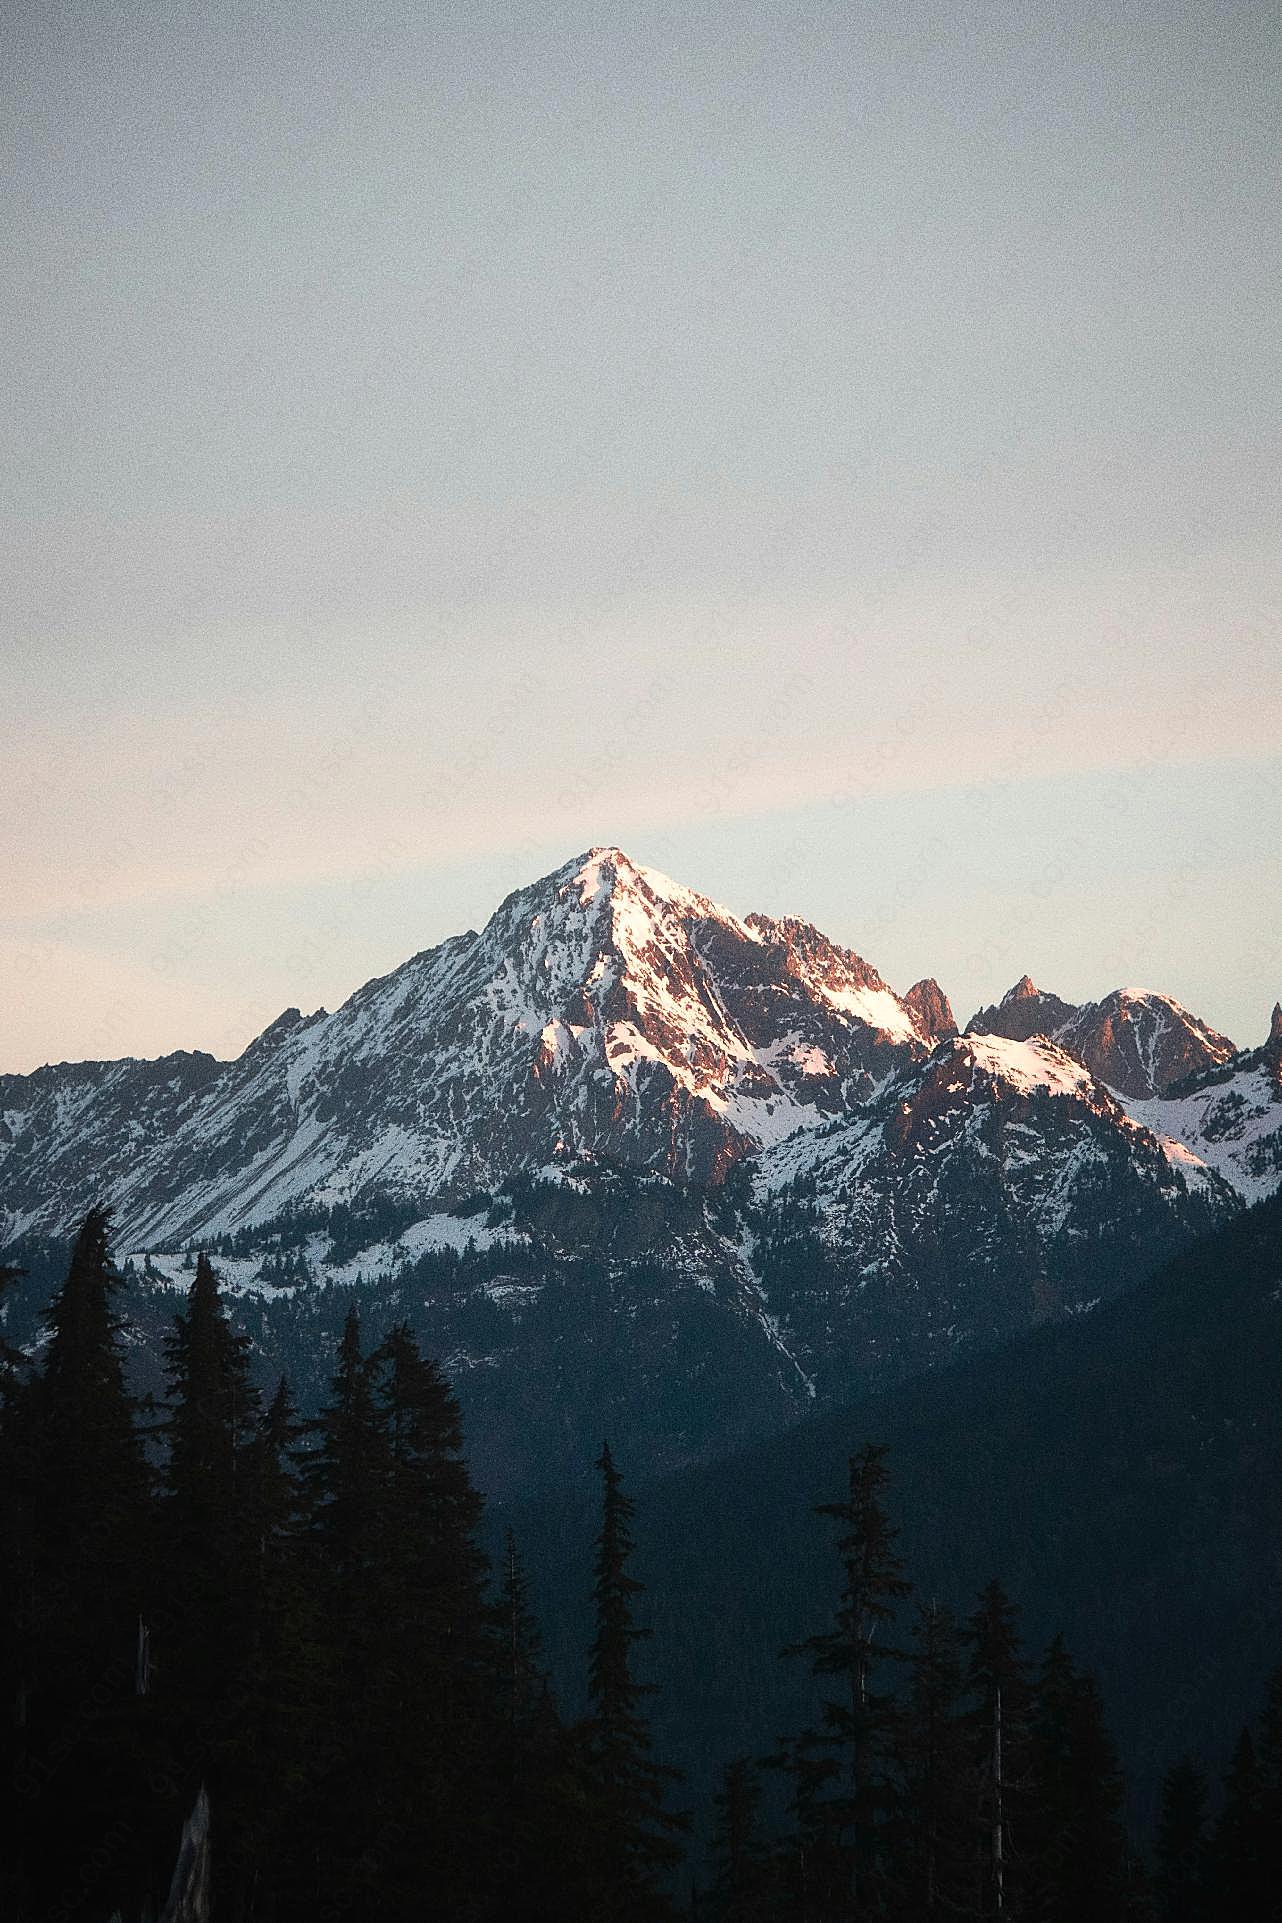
[603, 1011]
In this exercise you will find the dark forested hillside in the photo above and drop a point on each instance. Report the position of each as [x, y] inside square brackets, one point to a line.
[1122, 1473]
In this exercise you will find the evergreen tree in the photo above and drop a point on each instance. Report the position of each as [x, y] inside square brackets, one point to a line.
[310, 1634]
[1076, 1845]
[405, 1809]
[438, 1705]
[812, 1862]
[94, 1482]
[337, 1843]
[743, 1887]
[1181, 1846]
[935, 1820]
[264, 1811]
[536, 1791]
[346, 1470]
[997, 1684]
[15, 1591]
[1240, 1846]
[525, 1681]
[859, 1723]
[632, 1835]
[89, 1518]
[201, 1644]
[1269, 1764]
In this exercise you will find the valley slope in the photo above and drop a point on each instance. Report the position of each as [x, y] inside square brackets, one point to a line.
[1121, 1474]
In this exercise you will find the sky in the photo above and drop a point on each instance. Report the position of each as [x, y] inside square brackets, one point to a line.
[830, 451]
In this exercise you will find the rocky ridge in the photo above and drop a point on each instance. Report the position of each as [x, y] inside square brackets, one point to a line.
[1138, 1043]
[624, 1150]
[604, 1009]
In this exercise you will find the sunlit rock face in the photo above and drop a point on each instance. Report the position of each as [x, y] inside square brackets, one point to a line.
[1136, 1042]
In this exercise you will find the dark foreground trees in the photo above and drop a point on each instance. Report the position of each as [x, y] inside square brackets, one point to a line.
[298, 1620]
[945, 1780]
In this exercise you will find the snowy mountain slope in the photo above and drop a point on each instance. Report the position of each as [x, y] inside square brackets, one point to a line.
[1137, 1043]
[604, 1008]
[75, 1128]
[1227, 1119]
[629, 1161]
[987, 1187]
[991, 1186]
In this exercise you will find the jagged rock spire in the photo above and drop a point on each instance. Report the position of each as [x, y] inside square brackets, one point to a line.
[1023, 990]
[932, 1008]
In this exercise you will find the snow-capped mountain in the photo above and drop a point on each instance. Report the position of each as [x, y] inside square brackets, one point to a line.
[1137, 1043]
[603, 1009]
[622, 1150]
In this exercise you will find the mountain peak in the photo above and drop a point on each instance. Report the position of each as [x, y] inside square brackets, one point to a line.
[603, 856]
[932, 1008]
[1023, 1011]
[1023, 990]
[603, 871]
[595, 867]
[1275, 1026]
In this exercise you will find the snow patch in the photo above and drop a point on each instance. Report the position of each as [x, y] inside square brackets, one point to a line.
[1031, 1066]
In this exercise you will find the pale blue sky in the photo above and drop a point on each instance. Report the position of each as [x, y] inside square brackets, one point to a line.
[832, 451]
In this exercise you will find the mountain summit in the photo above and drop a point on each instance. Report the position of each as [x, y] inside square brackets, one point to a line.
[604, 1009]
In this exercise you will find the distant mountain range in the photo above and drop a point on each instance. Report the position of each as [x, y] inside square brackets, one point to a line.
[621, 1146]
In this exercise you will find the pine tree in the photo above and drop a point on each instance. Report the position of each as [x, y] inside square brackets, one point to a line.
[1269, 1764]
[935, 1829]
[743, 1888]
[337, 1841]
[1076, 1844]
[438, 1703]
[812, 1868]
[346, 1472]
[632, 1836]
[525, 1680]
[1239, 1845]
[15, 1593]
[536, 1790]
[201, 1645]
[94, 1482]
[90, 1531]
[405, 1810]
[258, 1864]
[534, 1734]
[859, 1723]
[1181, 1846]
[997, 1684]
